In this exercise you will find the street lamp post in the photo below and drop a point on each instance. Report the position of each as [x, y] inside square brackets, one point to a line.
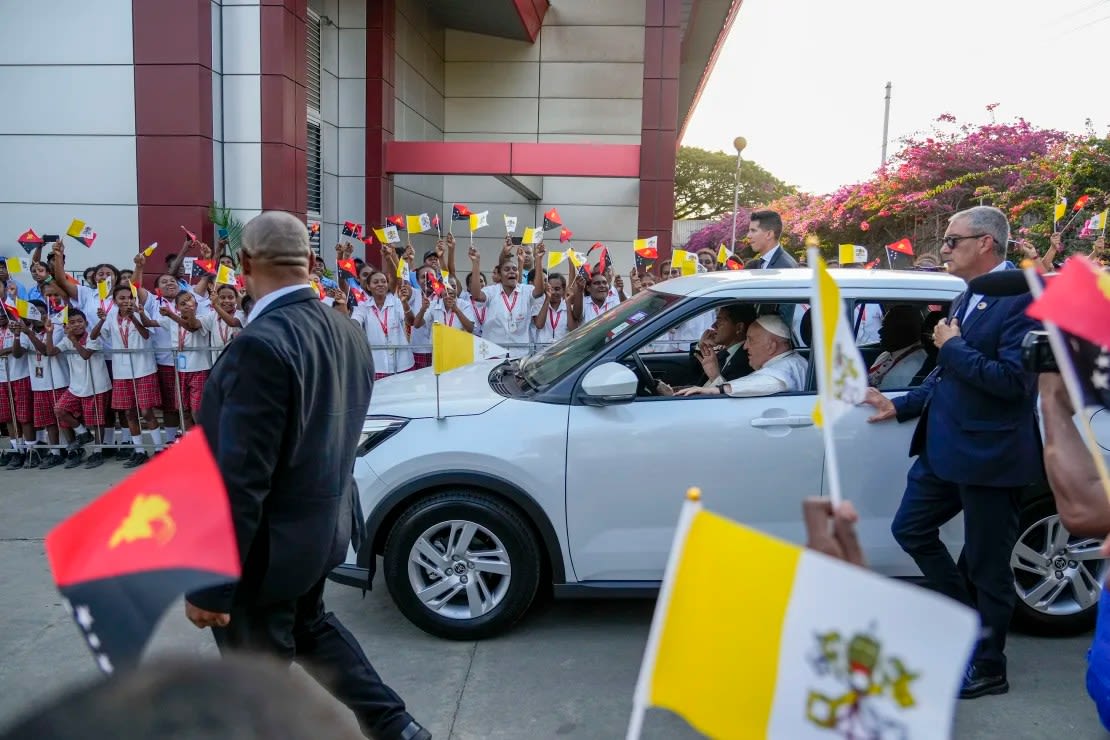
[739, 142]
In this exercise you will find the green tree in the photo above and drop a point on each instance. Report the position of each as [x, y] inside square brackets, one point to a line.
[703, 183]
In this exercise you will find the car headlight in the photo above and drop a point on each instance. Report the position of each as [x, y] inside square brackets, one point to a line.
[377, 429]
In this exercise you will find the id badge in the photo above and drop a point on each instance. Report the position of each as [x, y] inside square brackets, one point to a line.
[512, 325]
[181, 361]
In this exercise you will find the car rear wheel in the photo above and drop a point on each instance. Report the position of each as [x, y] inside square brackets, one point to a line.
[462, 565]
[1058, 576]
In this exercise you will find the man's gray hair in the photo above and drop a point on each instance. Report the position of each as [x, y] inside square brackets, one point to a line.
[276, 238]
[990, 221]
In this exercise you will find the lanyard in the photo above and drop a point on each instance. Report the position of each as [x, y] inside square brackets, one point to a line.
[598, 309]
[383, 323]
[181, 332]
[124, 329]
[225, 330]
[449, 316]
[480, 314]
[553, 316]
[509, 306]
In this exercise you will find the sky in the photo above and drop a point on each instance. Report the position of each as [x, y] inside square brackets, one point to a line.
[803, 80]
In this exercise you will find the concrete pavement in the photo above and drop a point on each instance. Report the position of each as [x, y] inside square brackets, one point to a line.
[567, 670]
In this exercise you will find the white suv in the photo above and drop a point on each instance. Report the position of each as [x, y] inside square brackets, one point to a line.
[566, 469]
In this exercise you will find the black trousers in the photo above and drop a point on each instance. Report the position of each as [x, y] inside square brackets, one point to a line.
[982, 579]
[301, 630]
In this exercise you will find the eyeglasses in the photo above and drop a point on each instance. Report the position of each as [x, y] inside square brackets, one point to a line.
[952, 241]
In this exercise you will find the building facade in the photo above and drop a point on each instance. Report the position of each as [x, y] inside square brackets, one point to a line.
[135, 115]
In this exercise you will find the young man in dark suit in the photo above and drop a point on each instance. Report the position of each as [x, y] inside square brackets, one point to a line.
[764, 234]
[283, 410]
[976, 440]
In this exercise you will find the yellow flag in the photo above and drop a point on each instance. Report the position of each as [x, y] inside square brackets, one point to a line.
[452, 348]
[478, 220]
[531, 236]
[1059, 211]
[225, 276]
[14, 265]
[723, 254]
[388, 235]
[851, 254]
[134, 291]
[418, 224]
[104, 289]
[685, 261]
[64, 315]
[403, 269]
[1098, 222]
[150, 250]
[554, 259]
[841, 372]
[575, 258]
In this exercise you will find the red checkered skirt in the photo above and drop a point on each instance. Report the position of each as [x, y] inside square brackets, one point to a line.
[15, 395]
[44, 407]
[144, 392]
[89, 409]
[166, 379]
[192, 388]
[422, 360]
[379, 376]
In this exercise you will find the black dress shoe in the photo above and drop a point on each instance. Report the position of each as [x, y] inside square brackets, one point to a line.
[95, 460]
[137, 458]
[414, 731]
[979, 683]
[16, 461]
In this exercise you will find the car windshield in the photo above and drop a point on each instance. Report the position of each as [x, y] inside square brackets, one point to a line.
[555, 360]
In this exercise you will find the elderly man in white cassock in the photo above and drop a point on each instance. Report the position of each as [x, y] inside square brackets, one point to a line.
[778, 368]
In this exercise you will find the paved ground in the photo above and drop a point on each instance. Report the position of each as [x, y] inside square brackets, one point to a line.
[567, 671]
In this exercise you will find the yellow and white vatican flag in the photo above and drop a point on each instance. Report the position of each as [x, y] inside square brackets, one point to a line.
[841, 372]
[452, 348]
[810, 648]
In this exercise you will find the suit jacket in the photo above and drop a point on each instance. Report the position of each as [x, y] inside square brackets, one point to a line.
[731, 368]
[977, 409]
[283, 410]
[782, 260]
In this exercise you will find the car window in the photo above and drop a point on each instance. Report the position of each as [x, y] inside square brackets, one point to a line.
[557, 359]
[895, 340]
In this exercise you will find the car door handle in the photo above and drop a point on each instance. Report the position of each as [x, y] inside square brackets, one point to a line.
[782, 421]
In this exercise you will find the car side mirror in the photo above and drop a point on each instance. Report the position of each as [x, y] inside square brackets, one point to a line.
[608, 384]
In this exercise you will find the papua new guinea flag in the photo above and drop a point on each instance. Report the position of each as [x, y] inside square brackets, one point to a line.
[163, 531]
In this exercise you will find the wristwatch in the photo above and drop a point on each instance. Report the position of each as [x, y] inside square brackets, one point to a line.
[721, 388]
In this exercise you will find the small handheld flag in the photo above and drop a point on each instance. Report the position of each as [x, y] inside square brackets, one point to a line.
[723, 255]
[1079, 203]
[403, 270]
[565, 235]
[418, 224]
[103, 289]
[1098, 221]
[150, 250]
[686, 262]
[225, 276]
[120, 561]
[554, 259]
[203, 268]
[575, 258]
[551, 220]
[18, 308]
[347, 267]
[1059, 210]
[531, 236]
[30, 241]
[478, 220]
[16, 265]
[351, 229]
[899, 255]
[646, 251]
[603, 261]
[510, 224]
[397, 221]
[459, 212]
[435, 222]
[82, 232]
[189, 235]
[1077, 300]
[851, 254]
[388, 235]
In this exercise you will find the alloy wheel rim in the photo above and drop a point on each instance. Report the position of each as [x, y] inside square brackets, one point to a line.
[459, 569]
[1056, 573]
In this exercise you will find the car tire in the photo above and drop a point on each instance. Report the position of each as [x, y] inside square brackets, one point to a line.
[493, 577]
[1064, 615]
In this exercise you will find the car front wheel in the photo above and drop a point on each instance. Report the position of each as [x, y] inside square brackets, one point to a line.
[1058, 576]
[462, 565]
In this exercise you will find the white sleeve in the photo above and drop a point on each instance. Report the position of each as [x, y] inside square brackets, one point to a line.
[755, 385]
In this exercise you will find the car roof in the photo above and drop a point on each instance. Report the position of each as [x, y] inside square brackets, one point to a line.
[801, 278]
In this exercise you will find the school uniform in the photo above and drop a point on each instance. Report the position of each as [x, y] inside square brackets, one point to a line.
[134, 374]
[192, 364]
[479, 310]
[164, 358]
[507, 318]
[420, 338]
[591, 310]
[87, 396]
[15, 382]
[220, 333]
[437, 312]
[385, 325]
[49, 379]
[554, 325]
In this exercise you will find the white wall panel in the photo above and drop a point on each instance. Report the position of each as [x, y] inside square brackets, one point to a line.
[591, 80]
[352, 199]
[243, 176]
[592, 44]
[242, 108]
[493, 79]
[491, 115]
[352, 101]
[462, 46]
[566, 116]
[65, 32]
[352, 151]
[242, 39]
[352, 52]
[67, 99]
[595, 13]
[617, 191]
[68, 169]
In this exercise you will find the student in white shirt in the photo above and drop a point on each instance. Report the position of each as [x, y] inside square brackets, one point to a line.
[134, 375]
[550, 316]
[447, 309]
[49, 379]
[15, 393]
[420, 303]
[508, 305]
[225, 320]
[86, 400]
[591, 302]
[386, 318]
[189, 337]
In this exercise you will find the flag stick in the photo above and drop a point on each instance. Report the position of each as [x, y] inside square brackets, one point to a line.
[438, 414]
[11, 401]
[813, 254]
[1071, 382]
[640, 700]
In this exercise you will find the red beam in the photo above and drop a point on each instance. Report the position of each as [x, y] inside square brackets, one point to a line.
[531, 14]
[504, 158]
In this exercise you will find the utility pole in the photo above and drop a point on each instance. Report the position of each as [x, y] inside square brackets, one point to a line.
[886, 123]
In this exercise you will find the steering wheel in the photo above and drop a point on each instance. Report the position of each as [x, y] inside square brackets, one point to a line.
[647, 381]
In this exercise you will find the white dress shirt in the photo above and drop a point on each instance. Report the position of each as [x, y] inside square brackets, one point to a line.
[785, 372]
[262, 303]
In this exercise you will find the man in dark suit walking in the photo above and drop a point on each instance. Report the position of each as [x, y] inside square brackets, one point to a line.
[977, 443]
[764, 233]
[283, 410]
